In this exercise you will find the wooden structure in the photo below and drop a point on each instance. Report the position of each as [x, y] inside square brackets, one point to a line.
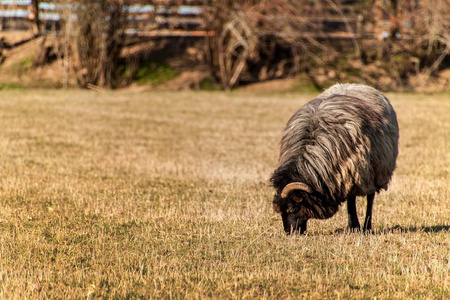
[147, 18]
[341, 19]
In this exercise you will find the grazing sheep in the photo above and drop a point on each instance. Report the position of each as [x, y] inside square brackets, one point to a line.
[340, 145]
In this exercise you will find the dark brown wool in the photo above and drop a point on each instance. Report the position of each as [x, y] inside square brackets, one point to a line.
[343, 143]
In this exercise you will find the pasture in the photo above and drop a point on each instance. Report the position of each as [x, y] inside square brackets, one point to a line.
[134, 194]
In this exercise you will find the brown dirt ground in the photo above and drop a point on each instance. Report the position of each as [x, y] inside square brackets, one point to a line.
[17, 69]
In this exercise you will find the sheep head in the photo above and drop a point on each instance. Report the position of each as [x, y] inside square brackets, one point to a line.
[289, 202]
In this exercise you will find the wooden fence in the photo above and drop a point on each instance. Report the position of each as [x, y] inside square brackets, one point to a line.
[147, 18]
[164, 18]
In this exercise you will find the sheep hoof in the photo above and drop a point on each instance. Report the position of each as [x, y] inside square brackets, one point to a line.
[355, 229]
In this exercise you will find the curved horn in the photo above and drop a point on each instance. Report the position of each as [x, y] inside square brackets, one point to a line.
[295, 186]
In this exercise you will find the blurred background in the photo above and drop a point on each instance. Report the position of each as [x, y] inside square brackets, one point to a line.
[399, 45]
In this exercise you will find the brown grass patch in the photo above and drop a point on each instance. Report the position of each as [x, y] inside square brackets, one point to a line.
[165, 195]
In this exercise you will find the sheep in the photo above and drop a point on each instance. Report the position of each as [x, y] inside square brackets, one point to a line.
[342, 144]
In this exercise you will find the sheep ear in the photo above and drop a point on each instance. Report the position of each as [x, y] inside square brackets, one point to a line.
[297, 199]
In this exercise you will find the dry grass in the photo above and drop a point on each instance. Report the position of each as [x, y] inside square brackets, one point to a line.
[165, 195]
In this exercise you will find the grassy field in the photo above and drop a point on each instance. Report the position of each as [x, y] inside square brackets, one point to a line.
[165, 195]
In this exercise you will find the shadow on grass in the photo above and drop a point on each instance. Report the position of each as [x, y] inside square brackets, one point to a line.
[401, 229]
[434, 228]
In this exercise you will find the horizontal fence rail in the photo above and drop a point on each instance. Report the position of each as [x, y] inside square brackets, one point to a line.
[160, 18]
[166, 18]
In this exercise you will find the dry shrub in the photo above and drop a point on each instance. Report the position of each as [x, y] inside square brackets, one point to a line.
[432, 29]
[268, 39]
[260, 40]
[420, 34]
[98, 39]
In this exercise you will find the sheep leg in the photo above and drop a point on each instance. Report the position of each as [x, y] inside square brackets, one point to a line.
[353, 222]
[368, 220]
[303, 228]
